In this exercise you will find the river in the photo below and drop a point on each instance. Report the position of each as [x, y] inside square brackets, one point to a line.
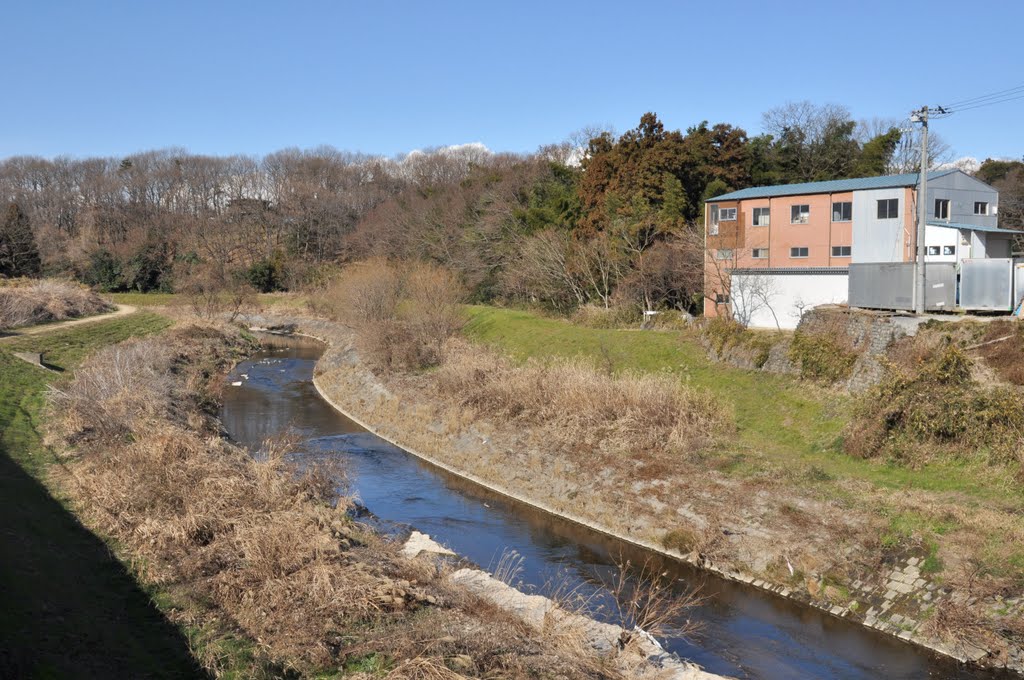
[744, 632]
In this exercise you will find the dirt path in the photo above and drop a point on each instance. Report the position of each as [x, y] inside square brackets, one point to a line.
[122, 310]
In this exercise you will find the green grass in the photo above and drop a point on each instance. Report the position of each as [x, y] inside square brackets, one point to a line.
[67, 607]
[146, 299]
[782, 423]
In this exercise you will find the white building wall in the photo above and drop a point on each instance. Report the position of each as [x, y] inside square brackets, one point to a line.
[876, 240]
[942, 238]
[775, 300]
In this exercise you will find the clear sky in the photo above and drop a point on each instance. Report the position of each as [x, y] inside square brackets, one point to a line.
[109, 78]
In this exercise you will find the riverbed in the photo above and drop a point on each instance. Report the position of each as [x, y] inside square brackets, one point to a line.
[744, 632]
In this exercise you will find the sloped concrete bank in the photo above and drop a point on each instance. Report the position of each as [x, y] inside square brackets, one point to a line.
[642, 657]
[893, 602]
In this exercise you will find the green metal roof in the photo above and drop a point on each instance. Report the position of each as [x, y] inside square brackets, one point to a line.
[975, 227]
[909, 179]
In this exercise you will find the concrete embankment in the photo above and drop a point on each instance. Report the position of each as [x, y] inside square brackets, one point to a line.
[635, 654]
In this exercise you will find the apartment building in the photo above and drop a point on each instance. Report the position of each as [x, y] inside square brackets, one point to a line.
[787, 248]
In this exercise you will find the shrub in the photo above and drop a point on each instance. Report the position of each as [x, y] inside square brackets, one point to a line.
[402, 312]
[24, 302]
[822, 356]
[935, 410]
[727, 339]
[617, 316]
[267, 275]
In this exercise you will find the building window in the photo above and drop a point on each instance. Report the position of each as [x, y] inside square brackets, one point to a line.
[949, 250]
[980, 207]
[723, 254]
[933, 250]
[761, 217]
[842, 212]
[799, 252]
[840, 251]
[799, 214]
[713, 222]
[727, 215]
[760, 253]
[942, 208]
[721, 299]
[888, 208]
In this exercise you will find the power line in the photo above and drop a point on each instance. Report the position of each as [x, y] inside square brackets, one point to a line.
[973, 100]
[987, 103]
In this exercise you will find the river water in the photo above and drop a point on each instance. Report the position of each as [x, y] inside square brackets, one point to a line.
[744, 632]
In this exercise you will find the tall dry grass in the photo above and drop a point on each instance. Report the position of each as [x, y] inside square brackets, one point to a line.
[629, 413]
[30, 301]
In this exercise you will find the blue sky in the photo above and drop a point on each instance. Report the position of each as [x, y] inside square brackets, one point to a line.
[110, 78]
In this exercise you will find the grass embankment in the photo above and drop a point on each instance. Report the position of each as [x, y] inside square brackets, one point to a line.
[783, 424]
[69, 609]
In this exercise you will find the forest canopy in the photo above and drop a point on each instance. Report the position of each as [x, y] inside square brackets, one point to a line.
[605, 220]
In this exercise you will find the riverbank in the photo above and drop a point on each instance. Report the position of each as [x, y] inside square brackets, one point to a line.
[715, 528]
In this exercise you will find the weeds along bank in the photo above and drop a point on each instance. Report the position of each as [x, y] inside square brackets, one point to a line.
[258, 560]
[926, 549]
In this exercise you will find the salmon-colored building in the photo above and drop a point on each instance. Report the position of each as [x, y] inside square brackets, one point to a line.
[799, 239]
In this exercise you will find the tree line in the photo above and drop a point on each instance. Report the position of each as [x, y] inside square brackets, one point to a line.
[602, 219]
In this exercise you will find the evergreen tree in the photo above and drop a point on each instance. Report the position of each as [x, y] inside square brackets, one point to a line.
[876, 154]
[19, 255]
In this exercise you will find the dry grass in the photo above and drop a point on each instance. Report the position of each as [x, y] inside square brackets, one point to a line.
[579, 403]
[268, 548]
[28, 301]
[1004, 352]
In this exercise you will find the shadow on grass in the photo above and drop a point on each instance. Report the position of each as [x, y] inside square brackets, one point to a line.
[68, 608]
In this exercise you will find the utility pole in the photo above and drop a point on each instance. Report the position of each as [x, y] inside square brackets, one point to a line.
[922, 212]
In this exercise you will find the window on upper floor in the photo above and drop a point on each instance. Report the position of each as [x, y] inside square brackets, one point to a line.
[799, 252]
[933, 250]
[723, 254]
[981, 207]
[888, 208]
[840, 251]
[799, 214]
[727, 215]
[713, 221]
[761, 217]
[949, 250]
[842, 211]
[942, 208]
[759, 253]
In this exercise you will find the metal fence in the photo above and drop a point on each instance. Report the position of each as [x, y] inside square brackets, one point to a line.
[980, 284]
[890, 285]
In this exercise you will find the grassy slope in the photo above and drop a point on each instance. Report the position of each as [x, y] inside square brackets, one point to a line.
[67, 607]
[784, 426]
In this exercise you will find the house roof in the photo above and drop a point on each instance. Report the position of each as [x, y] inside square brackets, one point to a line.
[909, 179]
[974, 227]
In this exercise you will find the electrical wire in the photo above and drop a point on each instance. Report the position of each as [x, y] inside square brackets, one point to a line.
[974, 100]
[987, 103]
